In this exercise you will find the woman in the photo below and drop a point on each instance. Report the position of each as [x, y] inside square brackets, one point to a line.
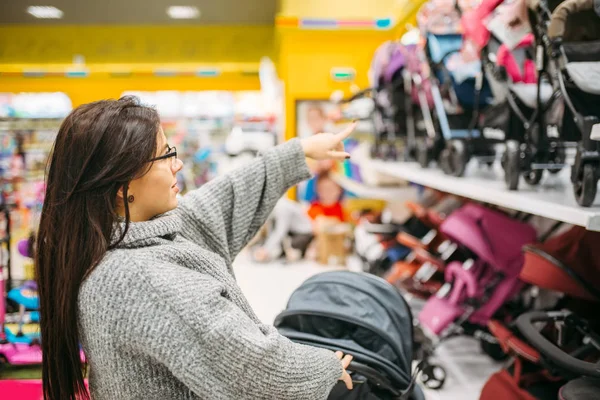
[145, 284]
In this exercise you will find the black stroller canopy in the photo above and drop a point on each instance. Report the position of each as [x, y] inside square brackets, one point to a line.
[357, 313]
[575, 21]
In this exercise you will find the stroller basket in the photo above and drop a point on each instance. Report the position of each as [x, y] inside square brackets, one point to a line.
[356, 313]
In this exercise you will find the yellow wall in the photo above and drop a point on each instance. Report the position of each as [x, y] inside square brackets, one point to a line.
[235, 50]
[34, 44]
[306, 59]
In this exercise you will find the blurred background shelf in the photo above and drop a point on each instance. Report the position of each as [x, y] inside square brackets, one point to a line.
[375, 192]
[552, 198]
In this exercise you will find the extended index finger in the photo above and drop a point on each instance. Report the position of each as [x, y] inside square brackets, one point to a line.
[347, 132]
[346, 361]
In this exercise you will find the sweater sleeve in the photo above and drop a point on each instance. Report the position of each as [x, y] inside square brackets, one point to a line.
[227, 212]
[212, 347]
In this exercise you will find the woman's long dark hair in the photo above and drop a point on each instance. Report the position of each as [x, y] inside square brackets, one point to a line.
[99, 149]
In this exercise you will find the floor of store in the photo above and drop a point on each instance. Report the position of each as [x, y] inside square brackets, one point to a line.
[268, 286]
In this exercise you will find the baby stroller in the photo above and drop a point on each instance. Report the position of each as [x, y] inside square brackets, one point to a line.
[477, 288]
[375, 242]
[393, 115]
[562, 360]
[574, 43]
[528, 109]
[362, 315]
[420, 272]
[567, 263]
[460, 93]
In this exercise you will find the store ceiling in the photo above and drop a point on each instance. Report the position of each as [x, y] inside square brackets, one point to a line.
[83, 12]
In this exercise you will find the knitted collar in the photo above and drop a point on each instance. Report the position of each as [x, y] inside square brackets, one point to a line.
[141, 234]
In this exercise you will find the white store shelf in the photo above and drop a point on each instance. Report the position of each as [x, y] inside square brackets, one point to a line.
[375, 192]
[553, 198]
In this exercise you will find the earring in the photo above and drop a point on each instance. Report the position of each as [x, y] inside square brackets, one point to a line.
[130, 198]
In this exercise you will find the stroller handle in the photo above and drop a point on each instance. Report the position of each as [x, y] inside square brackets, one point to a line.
[381, 381]
[373, 376]
[525, 325]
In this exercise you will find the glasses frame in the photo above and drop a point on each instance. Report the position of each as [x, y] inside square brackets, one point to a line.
[171, 152]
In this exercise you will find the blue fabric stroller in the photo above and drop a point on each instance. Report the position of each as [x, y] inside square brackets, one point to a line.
[362, 315]
[459, 97]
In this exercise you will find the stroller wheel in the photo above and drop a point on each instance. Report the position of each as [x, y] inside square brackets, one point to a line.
[534, 176]
[454, 158]
[433, 377]
[423, 155]
[511, 164]
[585, 185]
[554, 171]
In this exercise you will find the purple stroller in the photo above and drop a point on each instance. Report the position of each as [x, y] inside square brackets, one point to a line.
[398, 89]
[476, 289]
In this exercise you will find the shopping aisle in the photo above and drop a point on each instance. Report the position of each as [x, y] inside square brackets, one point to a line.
[268, 286]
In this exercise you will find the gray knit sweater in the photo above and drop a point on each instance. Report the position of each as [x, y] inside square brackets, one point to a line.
[162, 316]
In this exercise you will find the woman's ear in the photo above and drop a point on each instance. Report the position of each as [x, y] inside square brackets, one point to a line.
[120, 195]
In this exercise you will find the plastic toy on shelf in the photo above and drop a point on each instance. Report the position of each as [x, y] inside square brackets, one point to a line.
[15, 349]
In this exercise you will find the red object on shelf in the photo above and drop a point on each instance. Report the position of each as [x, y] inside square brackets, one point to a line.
[568, 263]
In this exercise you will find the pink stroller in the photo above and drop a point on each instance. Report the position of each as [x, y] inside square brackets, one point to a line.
[476, 289]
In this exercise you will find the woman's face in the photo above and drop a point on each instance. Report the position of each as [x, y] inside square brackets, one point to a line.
[156, 192]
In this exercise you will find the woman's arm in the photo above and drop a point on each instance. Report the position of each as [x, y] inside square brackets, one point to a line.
[226, 213]
[216, 350]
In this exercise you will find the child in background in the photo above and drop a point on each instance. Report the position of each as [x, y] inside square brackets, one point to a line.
[290, 221]
[329, 200]
[293, 221]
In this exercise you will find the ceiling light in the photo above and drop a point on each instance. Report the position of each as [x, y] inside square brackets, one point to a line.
[183, 12]
[48, 12]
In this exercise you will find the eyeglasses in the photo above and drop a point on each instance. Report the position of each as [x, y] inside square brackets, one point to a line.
[171, 154]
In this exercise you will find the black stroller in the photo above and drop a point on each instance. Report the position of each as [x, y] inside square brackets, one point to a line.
[362, 315]
[537, 141]
[574, 37]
